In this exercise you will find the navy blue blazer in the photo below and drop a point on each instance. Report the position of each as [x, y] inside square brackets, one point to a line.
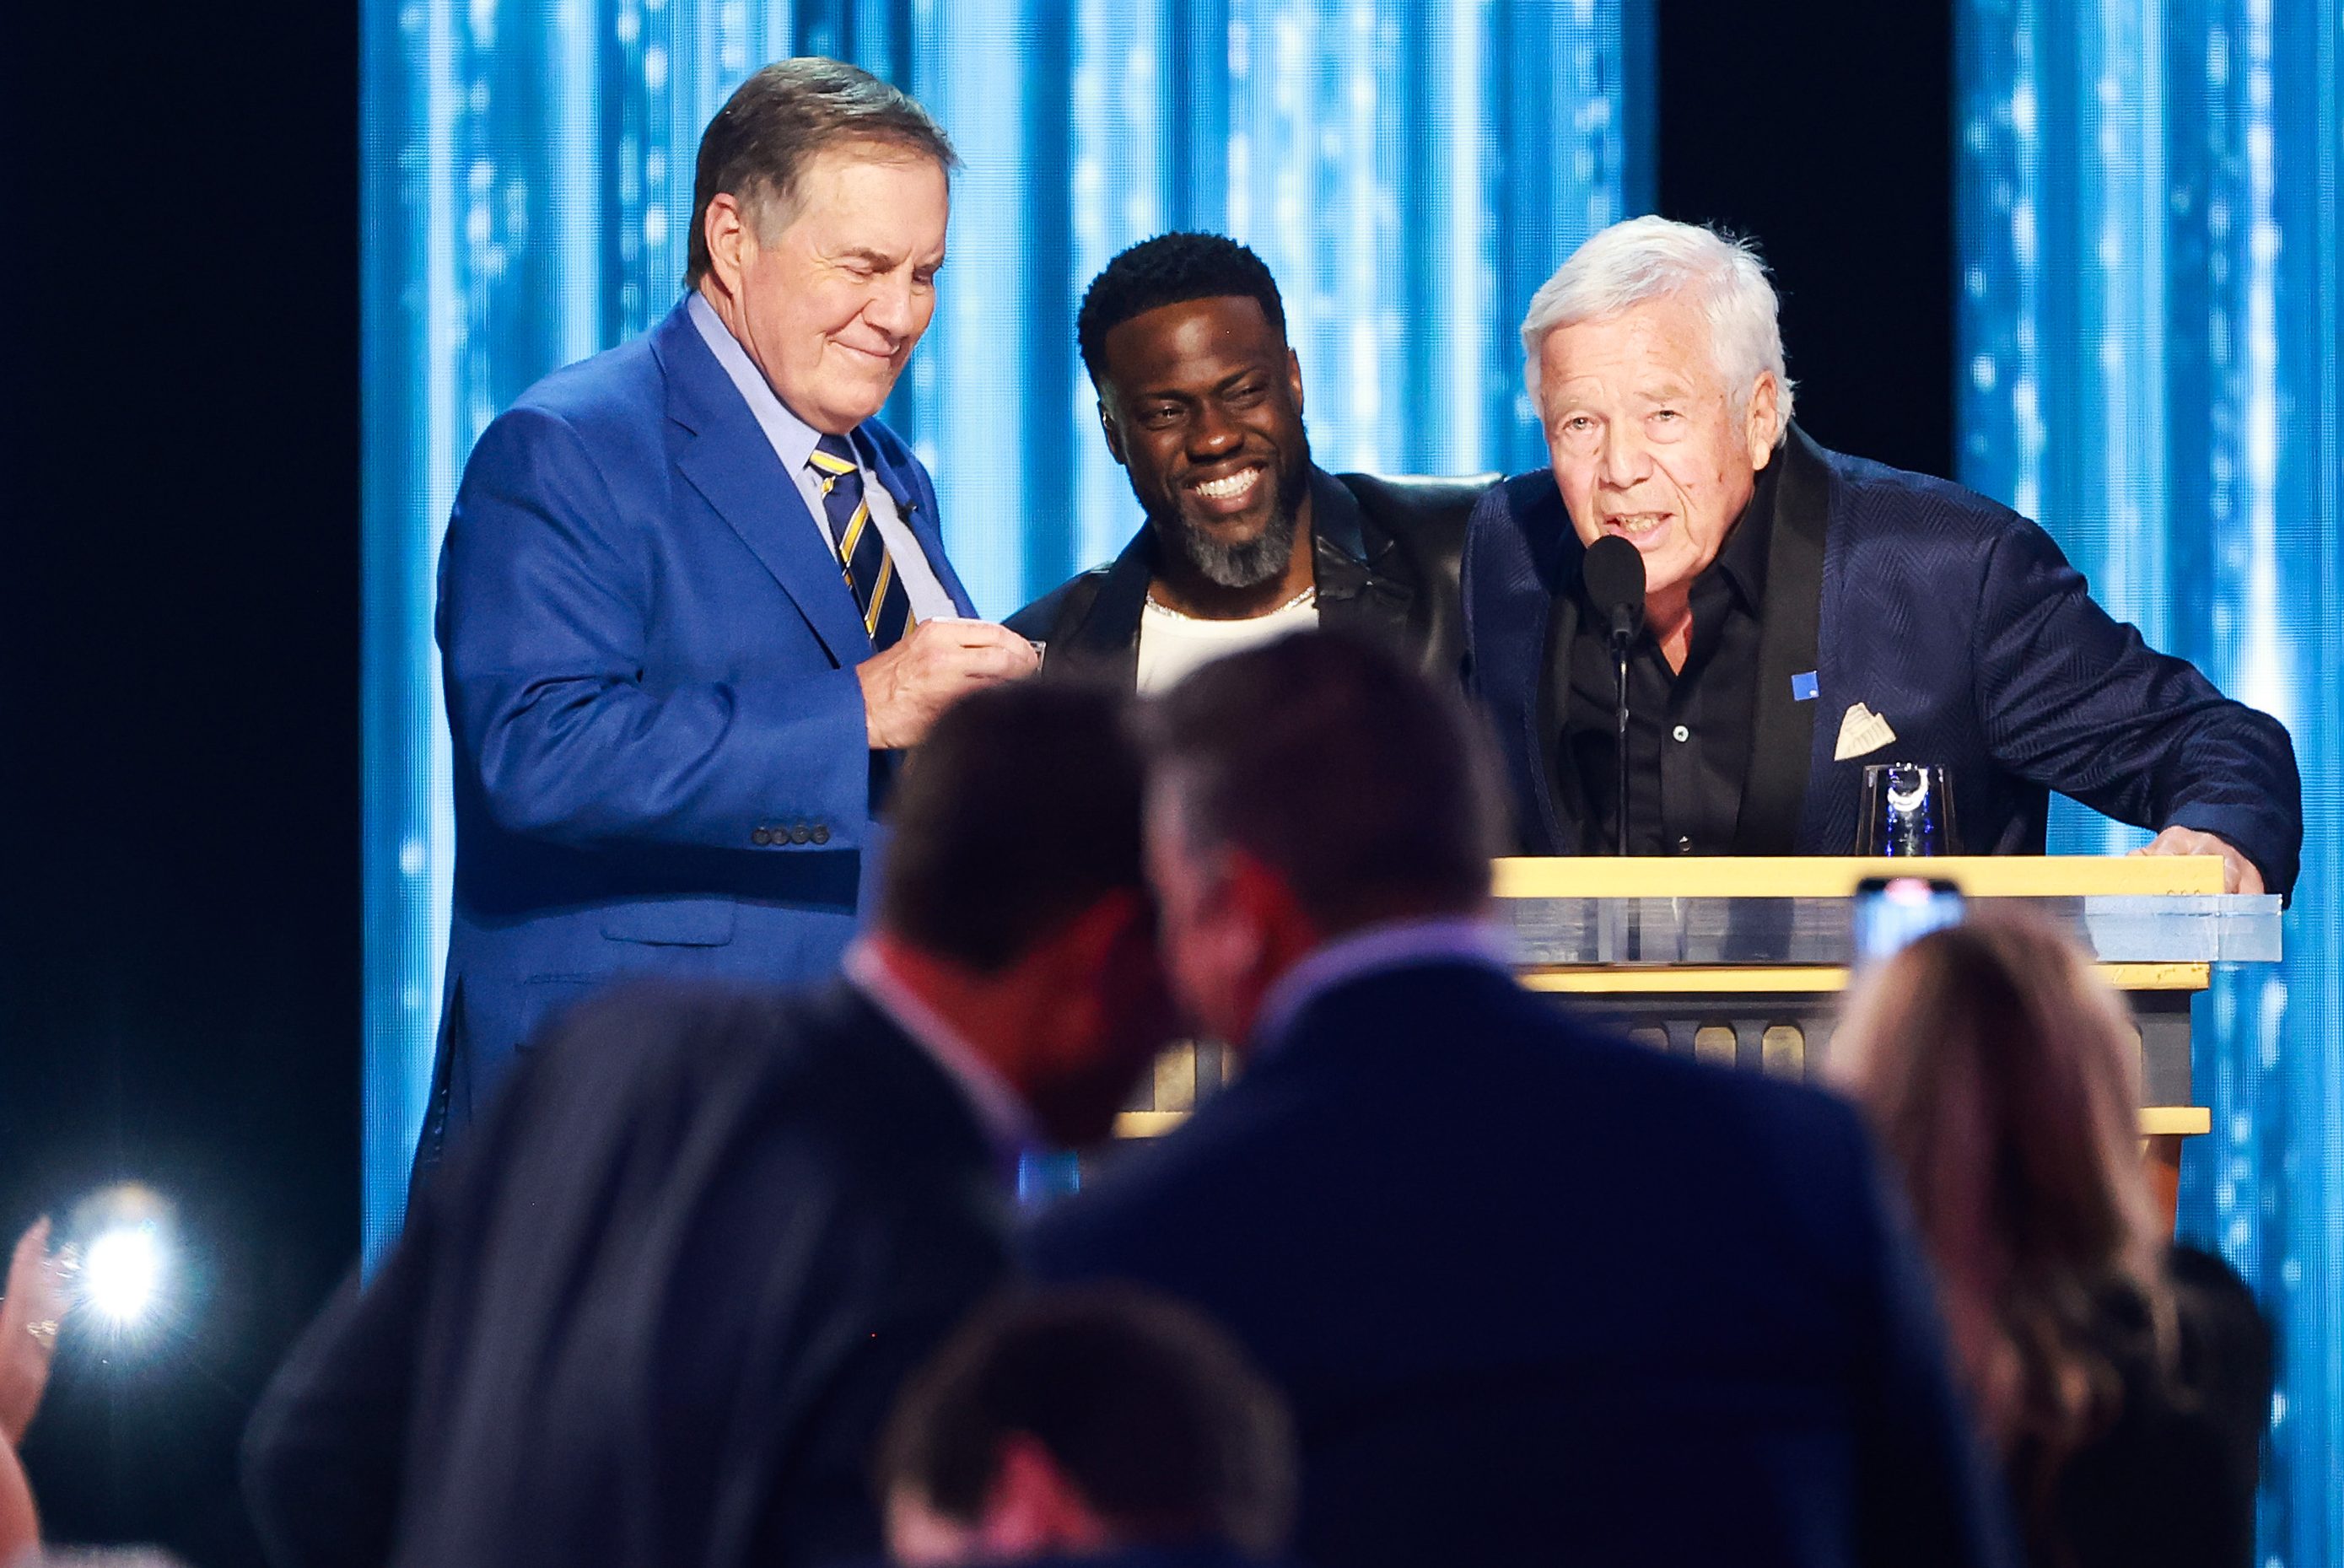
[654, 1315]
[1952, 617]
[1539, 1295]
[660, 764]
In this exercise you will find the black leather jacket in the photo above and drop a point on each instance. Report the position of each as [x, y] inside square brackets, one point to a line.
[1385, 553]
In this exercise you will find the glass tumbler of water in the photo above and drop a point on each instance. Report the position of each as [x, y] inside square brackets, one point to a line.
[1908, 809]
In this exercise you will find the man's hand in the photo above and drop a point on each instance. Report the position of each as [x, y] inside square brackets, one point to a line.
[2239, 873]
[938, 663]
[29, 1315]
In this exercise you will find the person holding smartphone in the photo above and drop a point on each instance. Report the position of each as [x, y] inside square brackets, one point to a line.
[2125, 1382]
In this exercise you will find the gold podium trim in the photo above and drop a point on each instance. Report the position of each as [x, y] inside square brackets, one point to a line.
[1673, 979]
[2155, 1121]
[1825, 876]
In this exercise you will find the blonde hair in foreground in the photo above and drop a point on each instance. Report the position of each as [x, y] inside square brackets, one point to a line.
[2001, 1075]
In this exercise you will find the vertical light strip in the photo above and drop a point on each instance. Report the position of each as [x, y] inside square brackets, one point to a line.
[1119, 194]
[1465, 323]
[575, 202]
[980, 438]
[2147, 218]
[2262, 666]
[2121, 102]
[1359, 195]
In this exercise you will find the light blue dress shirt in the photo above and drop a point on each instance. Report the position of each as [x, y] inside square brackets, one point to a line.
[793, 440]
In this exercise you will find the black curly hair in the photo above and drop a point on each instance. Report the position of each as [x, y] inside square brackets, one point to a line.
[1170, 269]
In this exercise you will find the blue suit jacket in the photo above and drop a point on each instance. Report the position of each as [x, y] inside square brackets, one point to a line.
[660, 764]
[1537, 1295]
[1952, 617]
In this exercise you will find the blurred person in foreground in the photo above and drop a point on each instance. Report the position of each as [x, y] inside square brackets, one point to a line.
[658, 1317]
[1531, 1289]
[1098, 1424]
[2126, 1381]
[31, 1310]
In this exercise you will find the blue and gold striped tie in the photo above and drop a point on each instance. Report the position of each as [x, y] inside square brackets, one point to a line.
[862, 556]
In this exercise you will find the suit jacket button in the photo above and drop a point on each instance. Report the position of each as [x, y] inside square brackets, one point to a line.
[820, 833]
[800, 834]
[761, 836]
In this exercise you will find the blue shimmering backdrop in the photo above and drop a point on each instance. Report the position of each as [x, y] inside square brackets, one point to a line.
[2148, 323]
[1411, 172]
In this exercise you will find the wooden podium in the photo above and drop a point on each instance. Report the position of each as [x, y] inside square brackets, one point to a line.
[1740, 961]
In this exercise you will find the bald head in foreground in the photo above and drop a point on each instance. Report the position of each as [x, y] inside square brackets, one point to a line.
[1532, 1291]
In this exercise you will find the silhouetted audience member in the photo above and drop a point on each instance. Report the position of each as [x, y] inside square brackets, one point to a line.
[1099, 1423]
[1533, 1292]
[31, 1309]
[658, 1314]
[2125, 1381]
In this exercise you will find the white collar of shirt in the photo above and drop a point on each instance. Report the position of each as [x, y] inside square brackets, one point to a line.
[792, 441]
[792, 436]
[1397, 945]
[1008, 1125]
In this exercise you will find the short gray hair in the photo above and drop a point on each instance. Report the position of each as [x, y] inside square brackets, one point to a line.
[1373, 791]
[1647, 258]
[776, 122]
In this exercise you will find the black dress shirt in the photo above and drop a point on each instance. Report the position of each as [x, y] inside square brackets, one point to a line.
[1689, 731]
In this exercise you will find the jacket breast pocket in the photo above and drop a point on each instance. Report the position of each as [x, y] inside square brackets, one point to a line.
[677, 923]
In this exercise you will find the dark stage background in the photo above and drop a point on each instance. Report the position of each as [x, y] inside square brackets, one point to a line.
[179, 937]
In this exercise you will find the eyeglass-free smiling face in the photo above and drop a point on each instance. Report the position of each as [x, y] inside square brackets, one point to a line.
[1645, 440]
[831, 304]
[1201, 402]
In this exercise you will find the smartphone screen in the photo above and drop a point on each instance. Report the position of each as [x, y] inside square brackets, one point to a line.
[1891, 910]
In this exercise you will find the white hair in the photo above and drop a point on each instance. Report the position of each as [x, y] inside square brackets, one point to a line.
[1647, 258]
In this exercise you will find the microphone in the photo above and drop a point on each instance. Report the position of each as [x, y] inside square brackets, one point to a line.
[1614, 569]
[1614, 573]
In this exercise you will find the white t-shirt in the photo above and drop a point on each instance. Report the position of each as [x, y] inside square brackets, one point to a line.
[1172, 645]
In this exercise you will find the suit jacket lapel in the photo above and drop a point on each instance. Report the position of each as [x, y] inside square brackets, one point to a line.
[1104, 643]
[1514, 576]
[1783, 729]
[729, 462]
[1352, 595]
[1564, 787]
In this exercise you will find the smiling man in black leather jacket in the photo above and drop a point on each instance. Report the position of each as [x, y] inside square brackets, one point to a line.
[1200, 400]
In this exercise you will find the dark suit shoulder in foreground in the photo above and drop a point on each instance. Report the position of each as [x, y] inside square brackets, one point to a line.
[657, 1314]
[1534, 1290]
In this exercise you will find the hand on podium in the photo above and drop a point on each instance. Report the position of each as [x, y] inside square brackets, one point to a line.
[2239, 873]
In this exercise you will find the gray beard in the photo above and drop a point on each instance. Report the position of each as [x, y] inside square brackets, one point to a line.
[1258, 560]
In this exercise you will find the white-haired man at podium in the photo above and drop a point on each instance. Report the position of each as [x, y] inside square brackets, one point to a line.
[1806, 613]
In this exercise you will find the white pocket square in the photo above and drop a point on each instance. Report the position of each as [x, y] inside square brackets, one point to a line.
[1860, 733]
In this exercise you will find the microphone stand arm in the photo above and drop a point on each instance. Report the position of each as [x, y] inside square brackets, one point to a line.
[1620, 643]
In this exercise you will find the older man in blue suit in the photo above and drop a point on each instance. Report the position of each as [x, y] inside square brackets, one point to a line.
[693, 596]
[1807, 613]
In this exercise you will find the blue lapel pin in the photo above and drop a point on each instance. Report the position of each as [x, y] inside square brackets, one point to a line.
[1803, 687]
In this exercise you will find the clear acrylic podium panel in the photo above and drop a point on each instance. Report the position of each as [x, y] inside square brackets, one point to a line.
[1740, 961]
